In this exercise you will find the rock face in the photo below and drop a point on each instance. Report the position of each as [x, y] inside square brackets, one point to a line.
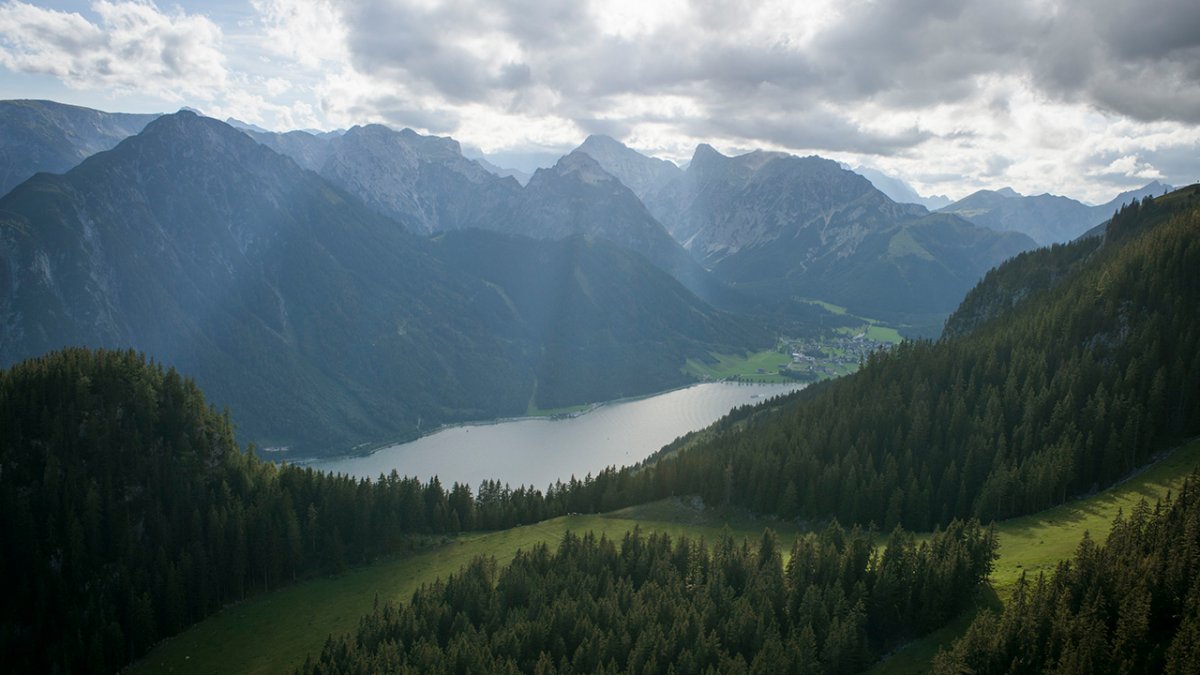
[47, 136]
[319, 321]
[781, 227]
[427, 184]
[422, 181]
[1048, 219]
[638, 172]
[578, 197]
[723, 205]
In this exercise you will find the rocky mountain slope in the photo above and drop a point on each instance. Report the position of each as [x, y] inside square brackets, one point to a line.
[422, 181]
[578, 197]
[321, 322]
[778, 226]
[47, 136]
[638, 172]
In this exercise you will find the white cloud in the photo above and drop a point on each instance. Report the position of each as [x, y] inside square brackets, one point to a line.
[133, 47]
[954, 96]
[307, 32]
[1131, 166]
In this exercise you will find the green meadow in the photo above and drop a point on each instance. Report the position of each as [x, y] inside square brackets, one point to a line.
[274, 632]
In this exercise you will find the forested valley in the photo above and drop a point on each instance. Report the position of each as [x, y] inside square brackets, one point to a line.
[132, 511]
[1076, 385]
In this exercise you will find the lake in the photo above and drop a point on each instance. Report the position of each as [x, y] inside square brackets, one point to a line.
[539, 451]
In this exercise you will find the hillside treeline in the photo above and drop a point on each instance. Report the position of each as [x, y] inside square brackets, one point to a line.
[651, 605]
[129, 512]
[1131, 605]
[1074, 387]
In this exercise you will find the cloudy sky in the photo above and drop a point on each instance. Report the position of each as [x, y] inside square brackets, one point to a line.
[1077, 97]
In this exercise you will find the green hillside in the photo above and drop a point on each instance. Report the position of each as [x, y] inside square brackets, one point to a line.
[1128, 604]
[1068, 387]
[273, 633]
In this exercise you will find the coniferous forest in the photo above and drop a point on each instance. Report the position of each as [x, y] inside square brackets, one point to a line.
[648, 604]
[1076, 385]
[133, 513]
[1129, 605]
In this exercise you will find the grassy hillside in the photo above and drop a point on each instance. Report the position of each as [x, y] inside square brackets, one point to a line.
[1036, 543]
[274, 632]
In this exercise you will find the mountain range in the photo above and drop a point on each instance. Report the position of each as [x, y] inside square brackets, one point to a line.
[899, 191]
[784, 227]
[331, 287]
[759, 210]
[324, 323]
[1048, 219]
[46, 136]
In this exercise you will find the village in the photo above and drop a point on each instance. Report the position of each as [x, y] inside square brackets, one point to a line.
[793, 359]
[830, 356]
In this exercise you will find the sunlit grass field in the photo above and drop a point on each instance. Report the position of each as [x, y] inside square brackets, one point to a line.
[274, 632]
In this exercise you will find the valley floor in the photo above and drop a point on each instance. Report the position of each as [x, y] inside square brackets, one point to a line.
[274, 632]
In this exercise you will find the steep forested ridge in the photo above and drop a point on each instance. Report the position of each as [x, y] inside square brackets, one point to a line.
[1131, 605]
[1075, 386]
[652, 605]
[1004, 287]
[129, 512]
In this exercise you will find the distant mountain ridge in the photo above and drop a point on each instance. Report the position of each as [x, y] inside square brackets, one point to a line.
[427, 184]
[323, 323]
[780, 226]
[1048, 218]
[40, 136]
[421, 181]
[771, 228]
[638, 172]
[899, 191]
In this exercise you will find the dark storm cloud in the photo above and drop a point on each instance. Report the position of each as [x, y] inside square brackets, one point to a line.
[399, 113]
[917, 53]
[803, 129]
[1138, 59]
[604, 127]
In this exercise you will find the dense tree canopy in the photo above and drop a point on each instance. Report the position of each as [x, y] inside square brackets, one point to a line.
[650, 605]
[1131, 605]
[1071, 387]
[132, 512]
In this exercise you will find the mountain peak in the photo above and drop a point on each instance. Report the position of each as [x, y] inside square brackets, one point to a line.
[580, 166]
[1008, 192]
[634, 170]
[705, 153]
[602, 140]
[186, 128]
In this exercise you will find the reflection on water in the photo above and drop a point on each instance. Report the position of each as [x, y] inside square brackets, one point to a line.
[538, 451]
